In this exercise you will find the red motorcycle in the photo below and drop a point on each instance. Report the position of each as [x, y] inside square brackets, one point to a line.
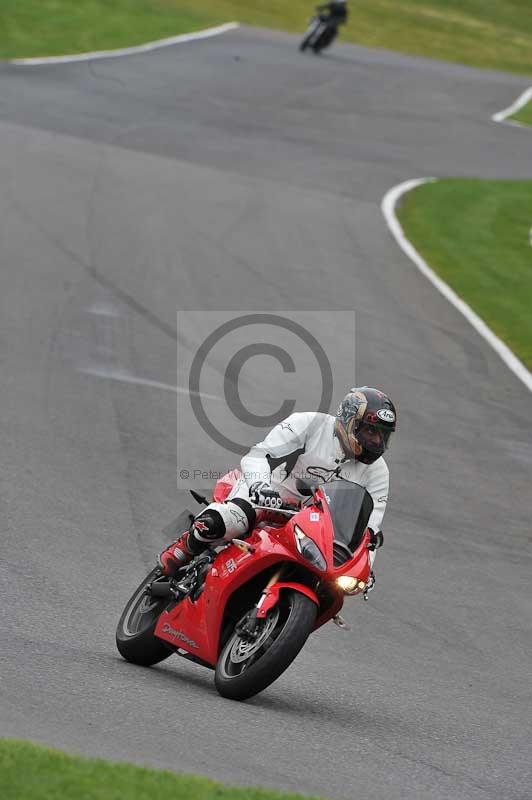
[247, 608]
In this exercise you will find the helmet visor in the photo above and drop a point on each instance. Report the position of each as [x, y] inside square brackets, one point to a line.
[374, 438]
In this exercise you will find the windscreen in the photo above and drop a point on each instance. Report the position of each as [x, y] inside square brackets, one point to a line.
[350, 506]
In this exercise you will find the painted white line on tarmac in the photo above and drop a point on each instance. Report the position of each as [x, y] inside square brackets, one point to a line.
[128, 51]
[521, 101]
[104, 309]
[124, 376]
[388, 206]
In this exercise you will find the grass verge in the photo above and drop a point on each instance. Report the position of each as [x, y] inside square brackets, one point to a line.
[524, 115]
[58, 27]
[33, 772]
[476, 235]
[494, 34]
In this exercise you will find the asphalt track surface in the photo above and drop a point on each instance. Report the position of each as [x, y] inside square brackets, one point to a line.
[236, 173]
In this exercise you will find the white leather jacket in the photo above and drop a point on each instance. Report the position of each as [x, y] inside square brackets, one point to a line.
[304, 446]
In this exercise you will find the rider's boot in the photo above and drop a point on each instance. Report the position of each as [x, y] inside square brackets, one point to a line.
[175, 556]
[206, 530]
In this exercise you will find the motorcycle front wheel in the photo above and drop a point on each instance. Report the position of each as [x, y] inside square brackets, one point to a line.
[134, 633]
[247, 665]
[307, 38]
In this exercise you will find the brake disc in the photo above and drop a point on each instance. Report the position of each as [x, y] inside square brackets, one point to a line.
[243, 649]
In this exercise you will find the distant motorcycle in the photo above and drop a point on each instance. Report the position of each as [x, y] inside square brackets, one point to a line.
[247, 608]
[320, 34]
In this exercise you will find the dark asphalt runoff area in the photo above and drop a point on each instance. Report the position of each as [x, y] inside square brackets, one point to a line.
[237, 174]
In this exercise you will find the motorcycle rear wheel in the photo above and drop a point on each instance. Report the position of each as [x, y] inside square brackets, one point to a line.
[134, 633]
[325, 40]
[245, 668]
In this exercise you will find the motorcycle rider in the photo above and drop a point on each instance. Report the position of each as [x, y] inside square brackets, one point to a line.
[306, 445]
[334, 13]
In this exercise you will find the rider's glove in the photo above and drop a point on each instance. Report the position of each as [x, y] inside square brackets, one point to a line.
[262, 494]
[376, 540]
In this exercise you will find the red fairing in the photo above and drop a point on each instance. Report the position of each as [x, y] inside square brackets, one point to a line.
[271, 596]
[195, 626]
[225, 484]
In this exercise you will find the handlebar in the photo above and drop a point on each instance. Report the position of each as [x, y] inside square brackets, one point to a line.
[287, 508]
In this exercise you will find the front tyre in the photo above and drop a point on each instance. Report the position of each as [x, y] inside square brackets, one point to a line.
[134, 632]
[247, 665]
[310, 32]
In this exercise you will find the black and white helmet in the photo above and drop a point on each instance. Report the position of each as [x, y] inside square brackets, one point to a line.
[365, 421]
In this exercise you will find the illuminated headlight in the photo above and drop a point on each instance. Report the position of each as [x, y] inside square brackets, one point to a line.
[309, 549]
[350, 585]
[346, 583]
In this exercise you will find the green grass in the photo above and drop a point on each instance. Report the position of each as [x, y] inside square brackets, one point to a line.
[493, 33]
[524, 115]
[55, 27]
[476, 235]
[33, 772]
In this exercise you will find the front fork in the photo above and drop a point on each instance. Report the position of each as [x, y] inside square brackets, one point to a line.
[267, 599]
[248, 629]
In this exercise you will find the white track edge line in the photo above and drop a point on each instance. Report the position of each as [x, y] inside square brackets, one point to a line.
[388, 206]
[123, 376]
[127, 51]
[517, 105]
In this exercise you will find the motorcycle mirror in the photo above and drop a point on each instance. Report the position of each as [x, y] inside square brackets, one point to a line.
[304, 488]
[199, 498]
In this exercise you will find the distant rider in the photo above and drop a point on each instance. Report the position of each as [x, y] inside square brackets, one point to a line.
[333, 13]
[306, 445]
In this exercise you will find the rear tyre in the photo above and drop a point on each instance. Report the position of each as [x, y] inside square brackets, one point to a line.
[325, 40]
[245, 667]
[134, 633]
[318, 46]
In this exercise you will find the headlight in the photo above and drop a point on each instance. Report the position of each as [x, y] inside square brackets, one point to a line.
[350, 585]
[346, 583]
[309, 549]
